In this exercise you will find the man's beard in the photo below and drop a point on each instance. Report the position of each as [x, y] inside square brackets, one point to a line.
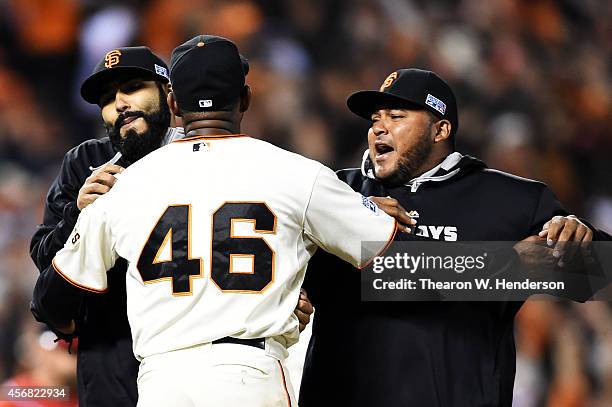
[134, 146]
[410, 162]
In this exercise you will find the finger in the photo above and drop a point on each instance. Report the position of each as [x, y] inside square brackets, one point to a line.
[556, 224]
[588, 236]
[398, 213]
[388, 204]
[405, 217]
[111, 169]
[385, 203]
[384, 200]
[533, 254]
[586, 242]
[402, 218]
[403, 228]
[302, 317]
[87, 200]
[575, 243]
[392, 211]
[104, 178]
[96, 188]
[569, 228]
[544, 230]
[305, 307]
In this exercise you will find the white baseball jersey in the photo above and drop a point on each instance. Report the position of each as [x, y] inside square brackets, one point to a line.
[218, 232]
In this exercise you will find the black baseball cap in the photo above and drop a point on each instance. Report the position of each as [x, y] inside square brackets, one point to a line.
[124, 62]
[408, 88]
[208, 74]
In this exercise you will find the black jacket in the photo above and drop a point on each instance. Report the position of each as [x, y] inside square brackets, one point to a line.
[423, 353]
[106, 367]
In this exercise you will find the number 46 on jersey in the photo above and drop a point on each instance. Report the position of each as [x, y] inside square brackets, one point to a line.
[174, 229]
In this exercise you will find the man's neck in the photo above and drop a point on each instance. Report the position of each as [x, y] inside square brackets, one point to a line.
[210, 127]
[432, 162]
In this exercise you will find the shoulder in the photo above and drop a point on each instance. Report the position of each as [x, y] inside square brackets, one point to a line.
[283, 158]
[509, 181]
[504, 187]
[350, 175]
[163, 162]
[93, 152]
[79, 160]
[361, 183]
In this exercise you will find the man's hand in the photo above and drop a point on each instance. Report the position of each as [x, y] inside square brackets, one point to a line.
[566, 229]
[534, 253]
[303, 310]
[97, 184]
[392, 207]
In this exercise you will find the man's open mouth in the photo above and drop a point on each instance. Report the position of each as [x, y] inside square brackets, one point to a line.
[383, 150]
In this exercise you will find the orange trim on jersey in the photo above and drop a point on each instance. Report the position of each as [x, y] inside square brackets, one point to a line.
[74, 283]
[208, 136]
[167, 239]
[280, 366]
[384, 249]
[245, 220]
[231, 262]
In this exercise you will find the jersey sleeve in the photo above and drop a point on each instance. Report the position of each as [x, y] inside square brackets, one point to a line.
[89, 252]
[338, 220]
[60, 213]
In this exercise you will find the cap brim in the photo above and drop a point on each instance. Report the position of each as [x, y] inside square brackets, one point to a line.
[93, 87]
[366, 102]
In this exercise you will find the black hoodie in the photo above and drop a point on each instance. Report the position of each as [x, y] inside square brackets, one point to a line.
[423, 353]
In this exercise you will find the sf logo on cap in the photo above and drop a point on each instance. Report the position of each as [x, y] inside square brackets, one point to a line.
[388, 81]
[112, 58]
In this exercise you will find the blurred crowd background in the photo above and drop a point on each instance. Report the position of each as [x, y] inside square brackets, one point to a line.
[532, 79]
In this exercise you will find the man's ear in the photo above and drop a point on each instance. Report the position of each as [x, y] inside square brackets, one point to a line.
[442, 130]
[173, 105]
[245, 98]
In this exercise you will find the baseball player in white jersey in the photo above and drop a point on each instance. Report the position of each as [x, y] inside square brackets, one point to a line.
[218, 229]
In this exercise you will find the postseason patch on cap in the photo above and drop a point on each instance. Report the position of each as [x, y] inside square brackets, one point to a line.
[436, 103]
[160, 70]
